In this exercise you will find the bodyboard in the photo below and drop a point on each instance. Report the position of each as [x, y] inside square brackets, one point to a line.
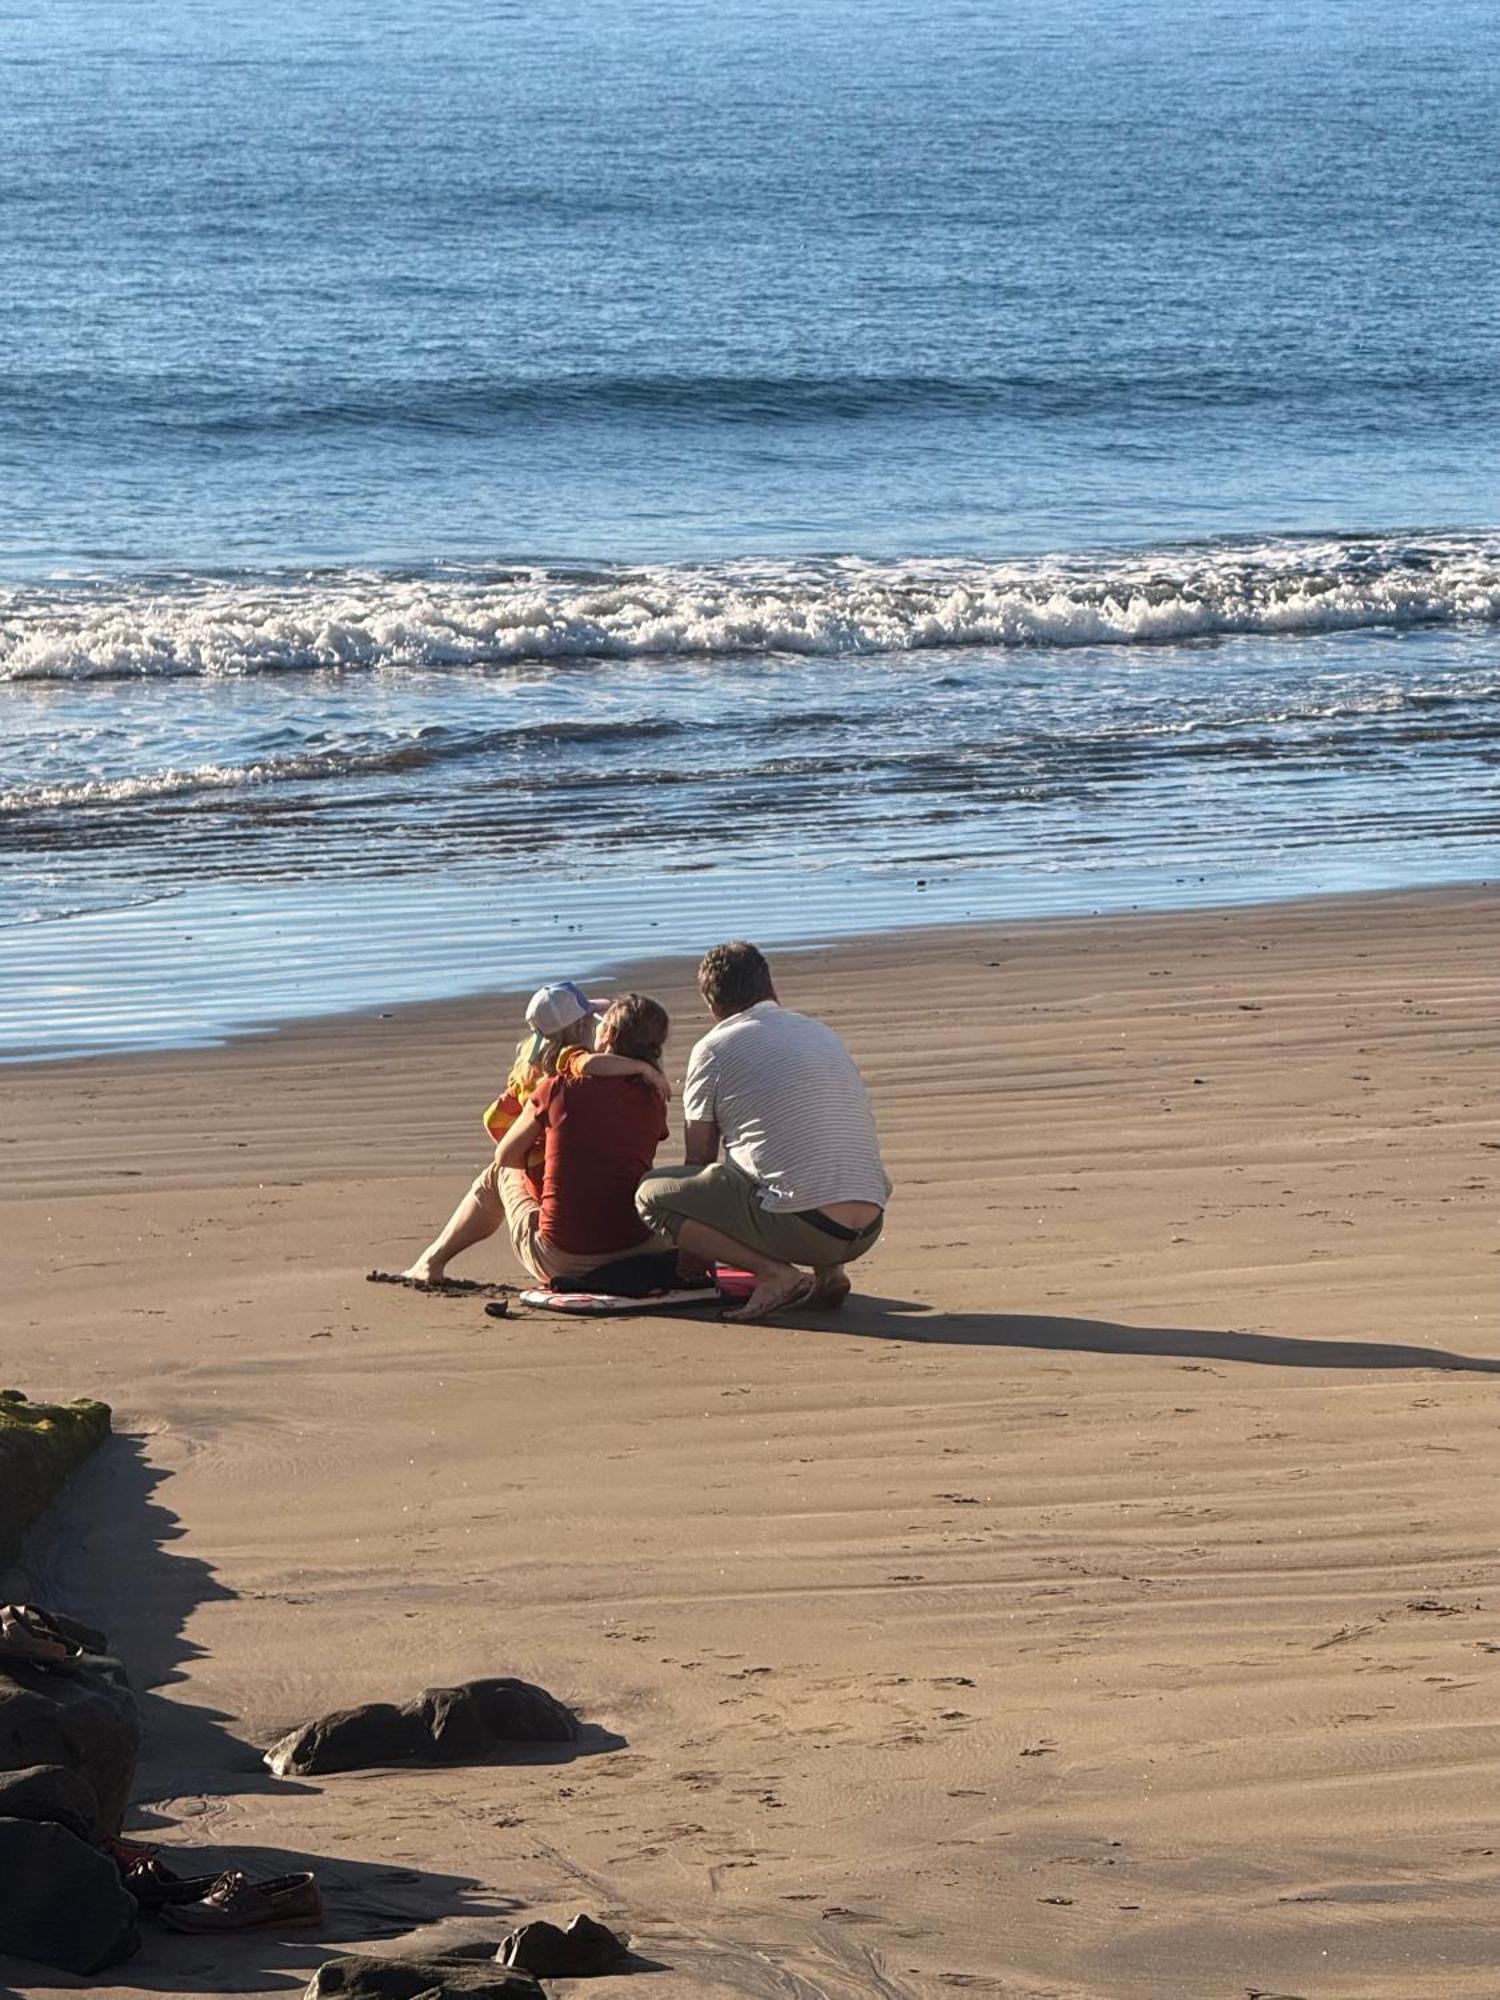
[597, 1304]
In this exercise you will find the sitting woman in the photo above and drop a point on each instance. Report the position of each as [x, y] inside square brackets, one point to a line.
[598, 1133]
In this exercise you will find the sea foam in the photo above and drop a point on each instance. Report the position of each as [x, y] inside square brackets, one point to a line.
[454, 618]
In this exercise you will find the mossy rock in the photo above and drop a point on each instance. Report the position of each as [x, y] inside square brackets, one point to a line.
[40, 1444]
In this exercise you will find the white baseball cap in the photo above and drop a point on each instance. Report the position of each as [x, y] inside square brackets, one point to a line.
[553, 1008]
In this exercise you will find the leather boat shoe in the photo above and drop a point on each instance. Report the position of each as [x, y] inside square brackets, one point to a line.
[235, 1903]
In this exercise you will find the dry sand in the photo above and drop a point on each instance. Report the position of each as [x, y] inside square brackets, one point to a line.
[1106, 1605]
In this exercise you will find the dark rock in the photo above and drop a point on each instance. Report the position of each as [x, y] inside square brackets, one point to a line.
[443, 1975]
[475, 1719]
[40, 1444]
[51, 1792]
[585, 1948]
[61, 1901]
[351, 1739]
[80, 1715]
[458, 1725]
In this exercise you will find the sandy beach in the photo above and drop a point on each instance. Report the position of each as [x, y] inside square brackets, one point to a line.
[1104, 1607]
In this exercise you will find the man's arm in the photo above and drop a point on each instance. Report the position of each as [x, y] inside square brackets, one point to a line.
[699, 1120]
[519, 1142]
[702, 1136]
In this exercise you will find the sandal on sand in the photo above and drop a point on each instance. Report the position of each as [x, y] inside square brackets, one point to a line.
[827, 1298]
[235, 1903]
[797, 1294]
[27, 1632]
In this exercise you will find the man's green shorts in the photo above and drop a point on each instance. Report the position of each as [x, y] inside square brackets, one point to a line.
[728, 1200]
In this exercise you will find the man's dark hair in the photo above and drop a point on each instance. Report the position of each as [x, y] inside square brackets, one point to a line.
[733, 977]
[635, 1026]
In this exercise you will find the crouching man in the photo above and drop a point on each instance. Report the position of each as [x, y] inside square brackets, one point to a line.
[801, 1191]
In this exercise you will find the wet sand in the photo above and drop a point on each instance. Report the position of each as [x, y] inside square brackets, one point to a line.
[1106, 1604]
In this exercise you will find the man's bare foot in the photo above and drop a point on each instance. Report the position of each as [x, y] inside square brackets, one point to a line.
[783, 1289]
[829, 1292]
[424, 1272]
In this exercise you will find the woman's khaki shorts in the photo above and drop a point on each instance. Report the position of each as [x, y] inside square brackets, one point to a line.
[509, 1188]
[728, 1200]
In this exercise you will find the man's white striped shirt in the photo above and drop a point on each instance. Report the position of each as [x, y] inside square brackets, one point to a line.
[791, 1106]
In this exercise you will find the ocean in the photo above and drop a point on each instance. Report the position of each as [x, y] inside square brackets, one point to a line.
[489, 491]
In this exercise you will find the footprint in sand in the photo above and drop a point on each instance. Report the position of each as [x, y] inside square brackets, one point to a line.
[698, 1781]
[722, 1868]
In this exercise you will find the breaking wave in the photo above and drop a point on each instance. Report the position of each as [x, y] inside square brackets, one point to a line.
[186, 626]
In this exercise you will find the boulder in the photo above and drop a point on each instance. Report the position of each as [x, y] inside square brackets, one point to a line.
[467, 1724]
[584, 1950]
[80, 1715]
[40, 1444]
[351, 1739]
[51, 1792]
[61, 1901]
[470, 1722]
[443, 1975]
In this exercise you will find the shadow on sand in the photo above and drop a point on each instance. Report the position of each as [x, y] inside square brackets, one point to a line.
[362, 1901]
[104, 1553]
[907, 1319]
[107, 1558]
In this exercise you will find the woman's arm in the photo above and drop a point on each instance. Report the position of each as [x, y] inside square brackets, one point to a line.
[519, 1142]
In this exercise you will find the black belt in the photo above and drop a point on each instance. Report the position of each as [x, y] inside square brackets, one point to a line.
[831, 1228]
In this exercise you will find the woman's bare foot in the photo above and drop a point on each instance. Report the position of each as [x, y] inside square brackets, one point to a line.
[779, 1289]
[830, 1289]
[425, 1272]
